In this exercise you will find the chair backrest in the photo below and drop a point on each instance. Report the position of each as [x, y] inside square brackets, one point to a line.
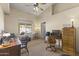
[24, 40]
[51, 39]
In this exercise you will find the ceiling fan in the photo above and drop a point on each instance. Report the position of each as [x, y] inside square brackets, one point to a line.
[37, 7]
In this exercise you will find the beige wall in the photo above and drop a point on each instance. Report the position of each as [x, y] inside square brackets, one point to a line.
[14, 18]
[5, 7]
[1, 19]
[59, 7]
[37, 25]
[58, 20]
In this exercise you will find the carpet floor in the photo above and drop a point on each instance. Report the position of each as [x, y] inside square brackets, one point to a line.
[38, 48]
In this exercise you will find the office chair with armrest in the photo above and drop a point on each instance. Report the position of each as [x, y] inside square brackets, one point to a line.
[24, 40]
[51, 42]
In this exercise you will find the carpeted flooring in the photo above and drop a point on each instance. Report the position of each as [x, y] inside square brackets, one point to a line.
[37, 48]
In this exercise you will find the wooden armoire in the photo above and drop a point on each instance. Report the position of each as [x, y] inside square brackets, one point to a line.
[69, 40]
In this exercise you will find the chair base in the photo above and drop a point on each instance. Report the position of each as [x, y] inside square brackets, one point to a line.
[52, 48]
[26, 50]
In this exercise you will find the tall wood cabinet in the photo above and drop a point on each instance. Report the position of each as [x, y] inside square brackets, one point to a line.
[69, 40]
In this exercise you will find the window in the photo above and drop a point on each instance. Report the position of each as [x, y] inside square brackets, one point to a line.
[27, 28]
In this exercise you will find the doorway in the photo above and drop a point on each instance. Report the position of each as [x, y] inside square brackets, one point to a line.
[43, 29]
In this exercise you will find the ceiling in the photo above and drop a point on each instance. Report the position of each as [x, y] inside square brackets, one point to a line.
[5, 7]
[29, 8]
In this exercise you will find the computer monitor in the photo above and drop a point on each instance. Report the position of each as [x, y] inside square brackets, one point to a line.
[57, 34]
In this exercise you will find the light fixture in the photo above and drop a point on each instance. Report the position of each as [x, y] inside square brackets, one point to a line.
[35, 9]
[72, 20]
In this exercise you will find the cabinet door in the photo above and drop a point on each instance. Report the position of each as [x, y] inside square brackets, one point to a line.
[69, 41]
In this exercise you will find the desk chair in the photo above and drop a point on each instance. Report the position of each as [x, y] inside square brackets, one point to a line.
[24, 41]
[51, 42]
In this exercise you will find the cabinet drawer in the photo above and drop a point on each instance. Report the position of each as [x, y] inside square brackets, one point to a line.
[69, 52]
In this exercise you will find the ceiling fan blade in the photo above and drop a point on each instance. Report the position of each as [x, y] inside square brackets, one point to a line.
[36, 4]
[43, 3]
[29, 5]
[41, 9]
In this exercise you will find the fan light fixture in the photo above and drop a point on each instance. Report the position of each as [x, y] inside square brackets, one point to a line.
[35, 9]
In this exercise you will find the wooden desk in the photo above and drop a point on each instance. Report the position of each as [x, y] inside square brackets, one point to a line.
[12, 49]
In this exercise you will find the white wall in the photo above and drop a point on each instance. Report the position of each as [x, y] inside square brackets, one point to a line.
[1, 20]
[56, 21]
[12, 20]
